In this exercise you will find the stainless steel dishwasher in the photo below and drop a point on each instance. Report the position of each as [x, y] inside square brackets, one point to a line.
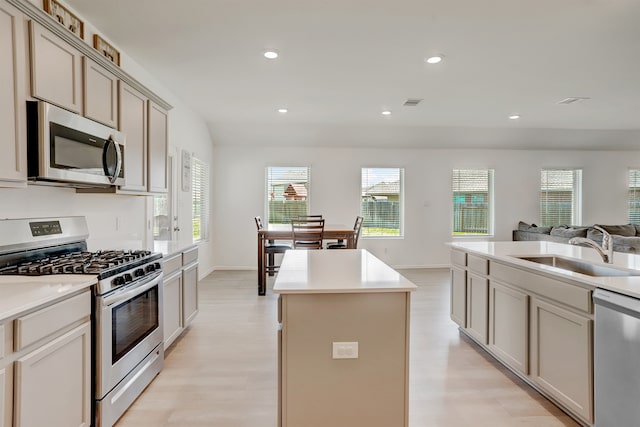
[616, 360]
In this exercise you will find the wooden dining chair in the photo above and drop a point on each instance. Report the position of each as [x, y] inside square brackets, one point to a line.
[307, 233]
[341, 244]
[270, 250]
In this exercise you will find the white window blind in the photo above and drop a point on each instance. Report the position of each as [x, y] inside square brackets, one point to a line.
[472, 201]
[200, 199]
[560, 196]
[287, 193]
[381, 201]
[634, 196]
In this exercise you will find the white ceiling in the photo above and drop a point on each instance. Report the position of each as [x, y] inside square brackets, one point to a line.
[343, 61]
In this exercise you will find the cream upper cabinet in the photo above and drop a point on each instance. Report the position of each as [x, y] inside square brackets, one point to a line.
[13, 80]
[100, 94]
[132, 120]
[56, 69]
[158, 147]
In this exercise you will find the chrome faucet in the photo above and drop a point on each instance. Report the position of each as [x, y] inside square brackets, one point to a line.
[605, 251]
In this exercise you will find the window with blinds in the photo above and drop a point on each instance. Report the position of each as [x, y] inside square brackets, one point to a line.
[472, 201]
[634, 196]
[381, 202]
[287, 193]
[200, 199]
[560, 193]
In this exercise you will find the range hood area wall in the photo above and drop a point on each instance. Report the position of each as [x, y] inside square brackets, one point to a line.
[111, 218]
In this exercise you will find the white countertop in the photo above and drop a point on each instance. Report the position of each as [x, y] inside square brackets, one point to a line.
[337, 271]
[170, 247]
[506, 252]
[19, 294]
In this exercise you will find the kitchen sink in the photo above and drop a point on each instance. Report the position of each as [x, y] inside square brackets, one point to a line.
[577, 266]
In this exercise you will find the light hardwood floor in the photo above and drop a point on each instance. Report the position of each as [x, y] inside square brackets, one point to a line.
[222, 371]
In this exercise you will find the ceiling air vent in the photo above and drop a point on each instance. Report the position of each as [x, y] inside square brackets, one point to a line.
[412, 102]
[573, 99]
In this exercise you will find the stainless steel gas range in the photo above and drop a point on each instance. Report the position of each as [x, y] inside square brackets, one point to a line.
[127, 303]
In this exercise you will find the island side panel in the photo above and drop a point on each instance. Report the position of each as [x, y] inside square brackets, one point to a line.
[320, 391]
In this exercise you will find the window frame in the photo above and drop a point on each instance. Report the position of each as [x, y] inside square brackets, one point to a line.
[266, 217]
[400, 235]
[490, 204]
[204, 186]
[635, 191]
[576, 195]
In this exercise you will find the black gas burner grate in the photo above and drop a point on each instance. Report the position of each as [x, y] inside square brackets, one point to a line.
[76, 263]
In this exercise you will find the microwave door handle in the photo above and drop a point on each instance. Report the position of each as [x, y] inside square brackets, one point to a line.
[116, 174]
[105, 166]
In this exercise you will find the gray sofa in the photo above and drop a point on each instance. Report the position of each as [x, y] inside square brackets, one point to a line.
[626, 237]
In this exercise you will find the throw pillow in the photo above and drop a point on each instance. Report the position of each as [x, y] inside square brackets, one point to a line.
[532, 228]
[568, 232]
[620, 230]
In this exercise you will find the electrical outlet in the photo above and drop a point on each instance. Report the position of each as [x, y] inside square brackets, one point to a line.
[345, 350]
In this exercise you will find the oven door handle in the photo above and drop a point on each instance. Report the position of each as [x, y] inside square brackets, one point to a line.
[127, 294]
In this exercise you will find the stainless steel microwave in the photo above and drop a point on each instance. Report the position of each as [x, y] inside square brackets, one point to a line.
[64, 148]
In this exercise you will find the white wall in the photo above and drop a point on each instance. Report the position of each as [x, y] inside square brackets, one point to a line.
[335, 190]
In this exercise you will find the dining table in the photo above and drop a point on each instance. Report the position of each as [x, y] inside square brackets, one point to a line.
[283, 232]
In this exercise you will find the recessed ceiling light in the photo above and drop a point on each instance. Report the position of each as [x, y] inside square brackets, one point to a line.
[435, 59]
[271, 54]
[283, 110]
[386, 113]
[514, 117]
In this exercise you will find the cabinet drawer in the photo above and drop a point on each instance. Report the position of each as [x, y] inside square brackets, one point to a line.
[42, 323]
[566, 293]
[459, 258]
[171, 264]
[189, 256]
[477, 264]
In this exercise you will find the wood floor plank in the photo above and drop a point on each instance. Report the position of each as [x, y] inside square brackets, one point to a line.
[221, 372]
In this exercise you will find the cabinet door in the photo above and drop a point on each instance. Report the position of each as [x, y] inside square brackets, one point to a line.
[13, 161]
[100, 94]
[477, 306]
[172, 308]
[132, 121]
[190, 293]
[6, 394]
[561, 356]
[53, 382]
[56, 70]
[509, 325]
[459, 296]
[158, 122]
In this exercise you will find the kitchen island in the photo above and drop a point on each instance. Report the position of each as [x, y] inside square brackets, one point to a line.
[343, 341]
[518, 303]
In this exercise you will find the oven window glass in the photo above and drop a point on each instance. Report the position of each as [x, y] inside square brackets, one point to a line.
[133, 321]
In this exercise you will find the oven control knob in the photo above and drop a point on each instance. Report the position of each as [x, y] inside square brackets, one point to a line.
[157, 266]
[139, 272]
[127, 278]
[118, 281]
[150, 268]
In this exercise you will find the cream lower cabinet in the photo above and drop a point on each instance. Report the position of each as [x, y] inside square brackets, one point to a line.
[459, 296]
[477, 306]
[509, 325]
[53, 383]
[13, 76]
[172, 308]
[190, 293]
[50, 352]
[180, 292]
[562, 355]
[5, 402]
